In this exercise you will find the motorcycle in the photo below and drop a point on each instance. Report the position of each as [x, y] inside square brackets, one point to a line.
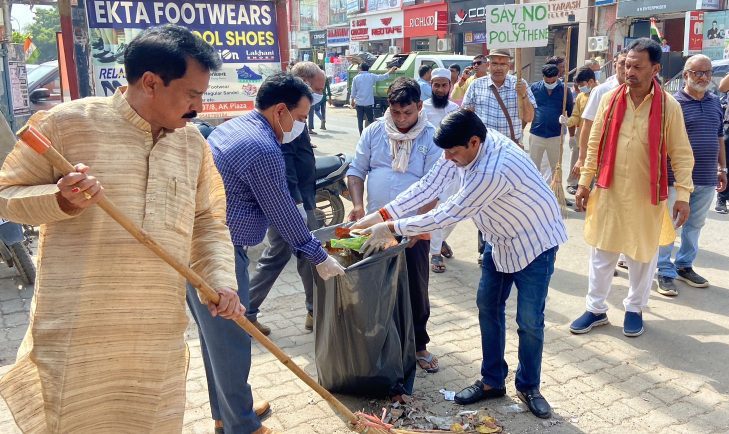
[15, 249]
[331, 188]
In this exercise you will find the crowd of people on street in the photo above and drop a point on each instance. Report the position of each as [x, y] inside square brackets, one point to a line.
[450, 147]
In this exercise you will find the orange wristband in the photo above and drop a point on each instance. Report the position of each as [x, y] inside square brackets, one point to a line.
[385, 215]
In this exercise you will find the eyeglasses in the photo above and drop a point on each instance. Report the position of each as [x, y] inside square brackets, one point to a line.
[477, 62]
[700, 74]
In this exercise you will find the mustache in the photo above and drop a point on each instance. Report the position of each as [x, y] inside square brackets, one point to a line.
[190, 115]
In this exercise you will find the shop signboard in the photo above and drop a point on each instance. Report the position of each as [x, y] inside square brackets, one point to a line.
[243, 34]
[469, 15]
[318, 38]
[377, 27]
[648, 8]
[475, 37]
[422, 20]
[338, 37]
[715, 33]
[693, 33]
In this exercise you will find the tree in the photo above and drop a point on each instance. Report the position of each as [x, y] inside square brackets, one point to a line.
[43, 31]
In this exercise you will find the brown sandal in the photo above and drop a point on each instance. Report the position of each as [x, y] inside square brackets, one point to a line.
[436, 264]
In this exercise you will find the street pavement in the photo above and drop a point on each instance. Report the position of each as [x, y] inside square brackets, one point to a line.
[673, 379]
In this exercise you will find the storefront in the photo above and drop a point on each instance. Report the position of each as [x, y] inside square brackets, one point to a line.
[318, 40]
[336, 64]
[670, 17]
[425, 25]
[376, 32]
[467, 25]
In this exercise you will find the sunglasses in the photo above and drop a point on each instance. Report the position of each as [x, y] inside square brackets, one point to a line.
[700, 74]
[477, 63]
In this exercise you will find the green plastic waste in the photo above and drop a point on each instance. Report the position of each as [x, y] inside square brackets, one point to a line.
[354, 243]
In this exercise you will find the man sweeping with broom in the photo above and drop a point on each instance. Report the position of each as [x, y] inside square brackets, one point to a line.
[504, 194]
[105, 348]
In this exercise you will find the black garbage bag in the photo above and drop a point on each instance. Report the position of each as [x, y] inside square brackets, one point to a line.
[365, 343]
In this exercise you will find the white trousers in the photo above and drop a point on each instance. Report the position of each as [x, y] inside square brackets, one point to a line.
[602, 266]
[539, 146]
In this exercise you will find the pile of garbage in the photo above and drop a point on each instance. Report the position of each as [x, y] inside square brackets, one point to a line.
[413, 417]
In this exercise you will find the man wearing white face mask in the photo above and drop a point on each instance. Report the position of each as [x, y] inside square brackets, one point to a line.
[301, 180]
[585, 80]
[247, 152]
[546, 131]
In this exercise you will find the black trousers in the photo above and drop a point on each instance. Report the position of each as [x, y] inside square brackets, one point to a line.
[480, 243]
[362, 111]
[418, 262]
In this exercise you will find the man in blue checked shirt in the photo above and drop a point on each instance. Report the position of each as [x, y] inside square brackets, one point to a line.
[247, 153]
[504, 194]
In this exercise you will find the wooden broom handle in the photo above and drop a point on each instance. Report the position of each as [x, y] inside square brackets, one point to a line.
[36, 140]
[566, 70]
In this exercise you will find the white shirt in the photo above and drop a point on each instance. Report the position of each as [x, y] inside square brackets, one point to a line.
[596, 94]
[501, 191]
[436, 115]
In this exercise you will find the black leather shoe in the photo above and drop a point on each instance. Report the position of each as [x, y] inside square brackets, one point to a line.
[536, 403]
[475, 393]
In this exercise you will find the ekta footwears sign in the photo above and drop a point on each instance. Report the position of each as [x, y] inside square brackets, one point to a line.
[243, 34]
[517, 26]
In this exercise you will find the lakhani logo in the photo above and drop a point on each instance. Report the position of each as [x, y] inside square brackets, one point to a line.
[460, 16]
[386, 21]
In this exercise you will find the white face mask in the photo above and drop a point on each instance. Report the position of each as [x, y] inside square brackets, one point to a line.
[585, 89]
[317, 98]
[296, 130]
[551, 86]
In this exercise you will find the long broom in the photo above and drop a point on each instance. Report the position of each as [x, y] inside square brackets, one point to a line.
[359, 422]
[556, 184]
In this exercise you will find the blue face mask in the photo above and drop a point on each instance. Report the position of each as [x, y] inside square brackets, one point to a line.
[551, 86]
[598, 74]
[585, 89]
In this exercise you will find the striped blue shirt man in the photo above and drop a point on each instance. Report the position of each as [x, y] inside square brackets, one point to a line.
[504, 194]
[501, 191]
[250, 161]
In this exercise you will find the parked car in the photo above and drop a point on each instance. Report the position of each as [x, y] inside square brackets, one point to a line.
[44, 86]
[339, 94]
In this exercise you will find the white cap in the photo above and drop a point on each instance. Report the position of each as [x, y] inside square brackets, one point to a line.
[440, 73]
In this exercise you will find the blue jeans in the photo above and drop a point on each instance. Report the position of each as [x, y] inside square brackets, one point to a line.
[226, 350]
[532, 284]
[699, 202]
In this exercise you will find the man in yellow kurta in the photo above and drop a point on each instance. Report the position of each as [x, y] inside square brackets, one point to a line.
[105, 349]
[585, 79]
[637, 128]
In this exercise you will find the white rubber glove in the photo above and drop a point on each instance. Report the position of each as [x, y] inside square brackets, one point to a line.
[563, 119]
[329, 268]
[368, 220]
[380, 239]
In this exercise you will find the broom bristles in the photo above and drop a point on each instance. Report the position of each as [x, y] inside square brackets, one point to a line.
[556, 186]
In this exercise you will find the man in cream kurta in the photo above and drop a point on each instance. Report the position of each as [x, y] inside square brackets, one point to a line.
[622, 218]
[105, 349]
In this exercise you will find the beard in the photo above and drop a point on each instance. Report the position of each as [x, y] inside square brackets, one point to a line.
[439, 101]
[697, 87]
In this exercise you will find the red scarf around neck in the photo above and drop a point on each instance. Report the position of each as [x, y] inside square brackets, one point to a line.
[656, 141]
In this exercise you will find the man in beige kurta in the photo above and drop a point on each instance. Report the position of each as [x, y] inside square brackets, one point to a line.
[105, 349]
[622, 218]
